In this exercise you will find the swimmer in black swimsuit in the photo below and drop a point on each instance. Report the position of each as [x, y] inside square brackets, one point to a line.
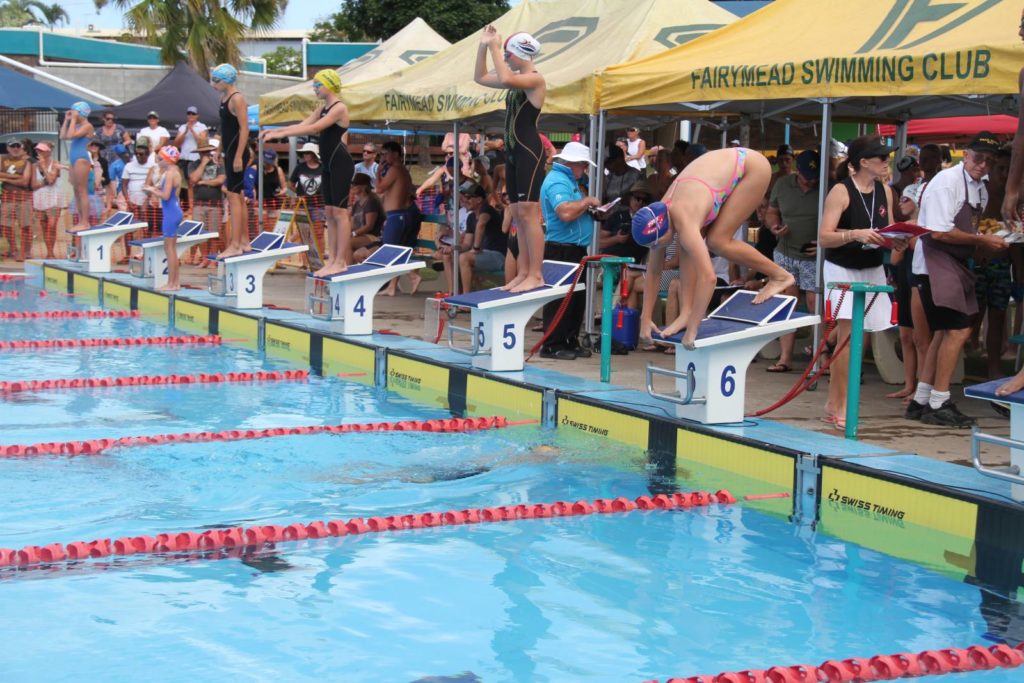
[330, 122]
[234, 133]
[524, 163]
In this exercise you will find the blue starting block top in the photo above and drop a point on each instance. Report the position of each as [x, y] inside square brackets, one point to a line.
[717, 327]
[119, 218]
[266, 241]
[556, 274]
[740, 307]
[185, 229]
[987, 392]
[387, 256]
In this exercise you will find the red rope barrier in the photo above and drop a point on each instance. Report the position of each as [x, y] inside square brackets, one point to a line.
[95, 446]
[877, 668]
[145, 380]
[47, 315]
[20, 344]
[219, 539]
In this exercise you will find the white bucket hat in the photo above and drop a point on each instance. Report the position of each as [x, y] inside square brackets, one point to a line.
[310, 147]
[575, 152]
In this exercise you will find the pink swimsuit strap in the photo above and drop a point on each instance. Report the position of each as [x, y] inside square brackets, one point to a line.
[720, 194]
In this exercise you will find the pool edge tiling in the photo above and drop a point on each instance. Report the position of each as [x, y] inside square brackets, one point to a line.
[860, 494]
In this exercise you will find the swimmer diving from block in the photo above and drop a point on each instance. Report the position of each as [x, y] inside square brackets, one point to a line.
[702, 209]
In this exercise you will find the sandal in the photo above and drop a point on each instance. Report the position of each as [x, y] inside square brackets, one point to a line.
[778, 367]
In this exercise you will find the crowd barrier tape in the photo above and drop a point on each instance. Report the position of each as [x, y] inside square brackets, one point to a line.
[221, 539]
[877, 668]
[146, 380]
[96, 446]
[48, 315]
[23, 344]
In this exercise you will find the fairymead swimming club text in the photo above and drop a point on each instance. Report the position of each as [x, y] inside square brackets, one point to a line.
[396, 101]
[973, 64]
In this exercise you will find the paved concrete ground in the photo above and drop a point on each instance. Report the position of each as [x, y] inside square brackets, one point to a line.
[881, 422]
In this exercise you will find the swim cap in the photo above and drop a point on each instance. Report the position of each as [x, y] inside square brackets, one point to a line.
[650, 224]
[522, 45]
[329, 79]
[170, 154]
[225, 72]
[82, 108]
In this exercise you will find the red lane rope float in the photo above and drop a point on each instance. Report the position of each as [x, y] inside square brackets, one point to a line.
[11, 277]
[20, 344]
[96, 446]
[144, 380]
[36, 315]
[11, 294]
[217, 539]
[877, 668]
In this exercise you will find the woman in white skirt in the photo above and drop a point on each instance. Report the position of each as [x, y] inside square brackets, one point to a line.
[854, 210]
[48, 196]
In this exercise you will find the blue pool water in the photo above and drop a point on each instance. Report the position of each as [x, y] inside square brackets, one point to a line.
[623, 597]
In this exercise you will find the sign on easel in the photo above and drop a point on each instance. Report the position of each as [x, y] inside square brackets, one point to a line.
[297, 226]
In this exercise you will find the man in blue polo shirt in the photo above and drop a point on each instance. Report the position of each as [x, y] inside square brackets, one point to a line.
[569, 230]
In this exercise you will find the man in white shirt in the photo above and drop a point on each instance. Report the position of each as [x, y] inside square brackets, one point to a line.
[134, 177]
[369, 164]
[157, 134]
[190, 135]
[950, 207]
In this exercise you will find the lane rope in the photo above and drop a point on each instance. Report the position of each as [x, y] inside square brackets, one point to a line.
[48, 315]
[97, 446]
[35, 344]
[16, 386]
[219, 539]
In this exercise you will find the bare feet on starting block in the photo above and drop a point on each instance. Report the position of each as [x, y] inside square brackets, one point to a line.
[78, 228]
[526, 284]
[168, 288]
[776, 285]
[514, 282]
[331, 269]
[228, 253]
[1012, 386]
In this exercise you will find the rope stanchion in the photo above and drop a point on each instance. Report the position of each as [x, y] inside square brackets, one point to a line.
[146, 380]
[60, 315]
[96, 446]
[877, 668]
[35, 344]
[565, 303]
[225, 539]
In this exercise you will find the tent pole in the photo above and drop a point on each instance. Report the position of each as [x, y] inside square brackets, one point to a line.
[824, 164]
[259, 179]
[594, 136]
[725, 132]
[456, 237]
[293, 153]
[786, 132]
[901, 139]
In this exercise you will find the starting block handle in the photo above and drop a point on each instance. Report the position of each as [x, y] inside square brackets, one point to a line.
[473, 350]
[691, 385]
[1012, 473]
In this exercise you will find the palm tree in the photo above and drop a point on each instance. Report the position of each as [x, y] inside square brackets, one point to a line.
[205, 32]
[20, 13]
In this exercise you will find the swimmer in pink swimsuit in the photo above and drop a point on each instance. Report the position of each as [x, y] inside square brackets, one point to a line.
[703, 209]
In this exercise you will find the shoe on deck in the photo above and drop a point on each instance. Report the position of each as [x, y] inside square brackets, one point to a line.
[946, 415]
[914, 410]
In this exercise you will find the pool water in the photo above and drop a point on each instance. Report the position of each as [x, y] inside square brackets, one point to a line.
[620, 597]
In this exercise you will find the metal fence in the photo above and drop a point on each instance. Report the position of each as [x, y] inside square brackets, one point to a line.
[18, 120]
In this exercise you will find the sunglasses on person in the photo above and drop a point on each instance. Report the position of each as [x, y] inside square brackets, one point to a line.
[317, 85]
[14, 145]
[368, 151]
[191, 113]
[108, 118]
[214, 79]
[142, 153]
[982, 158]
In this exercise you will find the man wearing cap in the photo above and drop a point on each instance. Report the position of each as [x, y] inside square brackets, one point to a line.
[190, 135]
[206, 176]
[368, 164]
[793, 218]
[133, 179]
[784, 163]
[569, 230]
[15, 198]
[950, 207]
[484, 243]
[157, 134]
[908, 172]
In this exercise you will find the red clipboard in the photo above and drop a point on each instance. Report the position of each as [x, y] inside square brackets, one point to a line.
[903, 230]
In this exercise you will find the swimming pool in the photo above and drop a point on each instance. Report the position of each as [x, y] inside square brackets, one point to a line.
[621, 597]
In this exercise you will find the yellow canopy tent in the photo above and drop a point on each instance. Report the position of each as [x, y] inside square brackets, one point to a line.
[578, 38]
[414, 43]
[867, 56]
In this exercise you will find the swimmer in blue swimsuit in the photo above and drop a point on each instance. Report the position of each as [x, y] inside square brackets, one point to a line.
[167, 159]
[79, 131]
[524, 166]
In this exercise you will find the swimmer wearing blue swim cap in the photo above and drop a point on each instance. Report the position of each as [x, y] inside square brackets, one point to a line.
[225, 73]
[650, 224]
[234, 135]
[82, 108]
[77, 130]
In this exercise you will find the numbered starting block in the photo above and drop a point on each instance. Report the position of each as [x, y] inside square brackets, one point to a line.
[349, 296]
[1015, 472]
[498, 318]
[711, 378]
[242, 276]
[153, 262]
[92, 245]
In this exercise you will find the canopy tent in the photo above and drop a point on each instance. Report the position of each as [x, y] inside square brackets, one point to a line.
[578, 37]
[180, 88]
[955, 127]
[18, 91]
[875, 59]
[414, 43]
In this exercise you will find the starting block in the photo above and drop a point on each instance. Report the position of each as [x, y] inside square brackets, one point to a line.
[711, 378]
[349, 296]
[242, 276]
[498, 318]
[153, 262]
[95, 242]
[1013, 473]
